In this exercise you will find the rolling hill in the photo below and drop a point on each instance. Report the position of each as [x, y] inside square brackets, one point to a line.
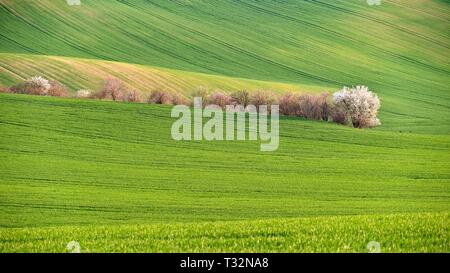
[66, 163]
[400, 49]
[82, 170]
[89, 74]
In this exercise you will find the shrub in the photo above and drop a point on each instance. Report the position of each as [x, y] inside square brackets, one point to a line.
[34, 86]
[262, 97]
[177, 99]
[201, 92]
[325, 106]
[310, 106]
[289, 104]
[220, 99]
[38, 85]
[57, 89]
[306, 106]
[313, 106]
[133, 96]
[83, 93]
[19, 88]
[113, 89]
[4, 89]
[339, 117]
[357, 106]
[161, 97]
[241, 97]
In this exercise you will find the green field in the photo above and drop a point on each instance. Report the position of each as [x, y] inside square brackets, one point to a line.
[400, 49]
[66, 162]
[110, 176]
[399, 233]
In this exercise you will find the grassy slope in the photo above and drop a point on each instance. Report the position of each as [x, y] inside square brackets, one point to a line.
[427, 232]
[89, 74]
[65, 163]
[400, 48]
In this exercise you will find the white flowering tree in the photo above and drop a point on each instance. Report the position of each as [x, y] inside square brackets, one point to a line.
[38, 85]
[357, 106]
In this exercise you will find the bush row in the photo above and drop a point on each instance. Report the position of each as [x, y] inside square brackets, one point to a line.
[357, 107]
